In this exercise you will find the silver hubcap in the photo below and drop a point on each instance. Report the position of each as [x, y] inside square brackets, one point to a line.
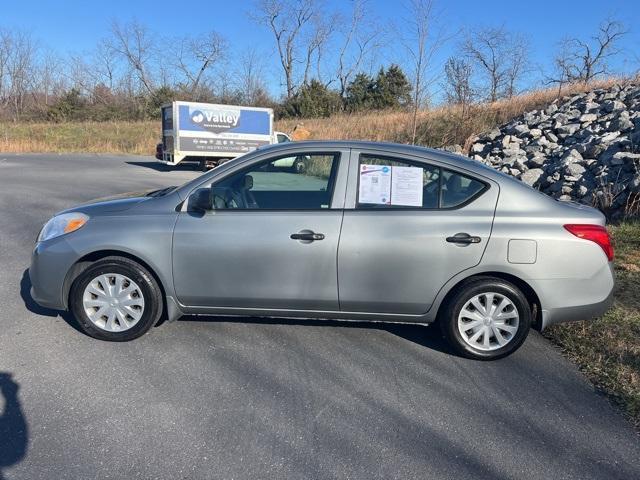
[488, 321]
[113, 302]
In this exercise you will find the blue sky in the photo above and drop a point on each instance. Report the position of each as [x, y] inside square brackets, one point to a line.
[74, 26]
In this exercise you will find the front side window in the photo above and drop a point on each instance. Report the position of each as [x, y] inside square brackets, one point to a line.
[386, 182]
[299, 182]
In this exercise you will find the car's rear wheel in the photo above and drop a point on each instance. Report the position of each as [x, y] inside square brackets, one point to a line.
[116, 299]
[486, 318]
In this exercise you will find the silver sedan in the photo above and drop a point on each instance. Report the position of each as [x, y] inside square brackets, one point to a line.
[360, 231]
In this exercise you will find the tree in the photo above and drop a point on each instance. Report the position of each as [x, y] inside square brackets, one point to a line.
[359, 39]
[500, 57]
[312, 100]
[69, 106]
[193, 57]
[392, 89]
[359, 93]
[251, 79]
[286, 20]
[421, 43]
[581, 61]
[132, 42]
[457, 86]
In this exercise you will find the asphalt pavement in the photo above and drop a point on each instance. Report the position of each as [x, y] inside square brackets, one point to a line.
[238, 398]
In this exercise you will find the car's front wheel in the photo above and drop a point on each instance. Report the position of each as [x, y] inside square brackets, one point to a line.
[116, 299]
[486, 318]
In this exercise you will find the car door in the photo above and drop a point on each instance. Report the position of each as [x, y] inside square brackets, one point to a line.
[271, 240]
[393, 257]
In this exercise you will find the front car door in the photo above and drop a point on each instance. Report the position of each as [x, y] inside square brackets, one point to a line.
[270, 244]
[394, 255]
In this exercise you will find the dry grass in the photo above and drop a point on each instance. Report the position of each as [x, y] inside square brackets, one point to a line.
[607, 350]
[137, 138]
[437, 127]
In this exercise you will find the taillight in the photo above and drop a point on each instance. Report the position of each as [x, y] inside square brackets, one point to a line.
[594, 233]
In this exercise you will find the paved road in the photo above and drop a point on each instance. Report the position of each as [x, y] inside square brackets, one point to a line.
[238, 398]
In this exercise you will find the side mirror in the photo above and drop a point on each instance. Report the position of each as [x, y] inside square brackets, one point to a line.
[201, 200]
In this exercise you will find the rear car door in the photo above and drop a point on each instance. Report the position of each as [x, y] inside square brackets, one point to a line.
[396, 253]
[271, 241]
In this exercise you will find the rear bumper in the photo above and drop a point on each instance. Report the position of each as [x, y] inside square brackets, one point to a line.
[573, 314]
[591, 298]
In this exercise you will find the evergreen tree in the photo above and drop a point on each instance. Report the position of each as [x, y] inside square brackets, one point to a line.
[312, 100]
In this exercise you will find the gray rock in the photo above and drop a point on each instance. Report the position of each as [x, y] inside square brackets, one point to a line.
[575, 170]
[623, 157]
[572, 156]
[535, 132]
[588, 117]
[530, 177]
[622, 123]
[613, 105]
[551, 137]
[568, 129]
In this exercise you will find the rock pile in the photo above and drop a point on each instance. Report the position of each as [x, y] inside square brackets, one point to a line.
[584, 148]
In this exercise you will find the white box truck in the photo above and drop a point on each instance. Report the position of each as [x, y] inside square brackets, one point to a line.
[211, 134]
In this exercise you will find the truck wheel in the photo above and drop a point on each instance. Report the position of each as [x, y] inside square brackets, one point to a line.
[299, 165]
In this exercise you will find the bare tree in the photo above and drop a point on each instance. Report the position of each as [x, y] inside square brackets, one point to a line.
[581, 61]
[421, 42]
[315, 42]
[20, 69]
[133, 43]
[358, 40]
[500, 56]
[250, 75]
[457, 86]
[286, 19]
[105, 64]
[517, 64]
[193, 57]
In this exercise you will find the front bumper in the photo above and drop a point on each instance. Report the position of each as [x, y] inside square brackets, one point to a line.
[50, 262]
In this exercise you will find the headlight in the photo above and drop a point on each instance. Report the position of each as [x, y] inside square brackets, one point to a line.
[61, 224]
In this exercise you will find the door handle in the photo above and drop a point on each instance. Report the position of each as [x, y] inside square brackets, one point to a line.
[307, 236]
[463, 239]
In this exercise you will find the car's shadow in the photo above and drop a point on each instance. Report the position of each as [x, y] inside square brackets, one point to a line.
[425, 336]
[32, 306]
[161, 167]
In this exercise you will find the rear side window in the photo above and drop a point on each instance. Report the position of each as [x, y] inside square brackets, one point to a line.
[458, 189]
[386, 182]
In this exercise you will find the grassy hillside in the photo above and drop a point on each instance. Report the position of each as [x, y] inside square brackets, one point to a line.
[437, 127]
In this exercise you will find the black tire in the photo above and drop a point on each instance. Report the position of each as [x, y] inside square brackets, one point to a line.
[299, 166]
[449, 318]
[153, 304]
